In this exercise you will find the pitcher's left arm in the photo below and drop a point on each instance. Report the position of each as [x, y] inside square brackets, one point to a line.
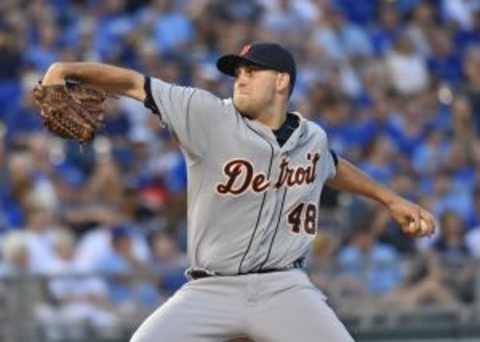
[413, 219]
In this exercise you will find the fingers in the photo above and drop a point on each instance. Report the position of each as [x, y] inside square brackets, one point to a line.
[410, 228]
[425, 227]
[413, 224]
[429, 223]
[38, 92]
[43, 114]
[417, 218]
[421, 223]
[413, 219]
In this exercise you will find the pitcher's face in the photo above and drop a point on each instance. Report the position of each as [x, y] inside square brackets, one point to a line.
[254, 89]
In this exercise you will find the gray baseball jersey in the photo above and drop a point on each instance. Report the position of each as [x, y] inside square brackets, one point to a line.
[252, 204]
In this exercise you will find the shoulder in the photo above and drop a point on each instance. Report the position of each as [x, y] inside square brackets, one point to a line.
[309, 124]
[313, 129]
[229, 109]
[204, 100]
[176, 91]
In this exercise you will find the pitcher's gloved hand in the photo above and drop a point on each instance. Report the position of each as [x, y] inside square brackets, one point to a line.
[71, 111]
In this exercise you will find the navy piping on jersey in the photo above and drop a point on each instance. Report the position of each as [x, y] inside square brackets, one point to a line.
[282, 134]
[290, 124]
[276, 230]
[252, 237]
[149, 102]
[335, 157]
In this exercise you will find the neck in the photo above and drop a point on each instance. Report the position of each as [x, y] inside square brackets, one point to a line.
[275, 116]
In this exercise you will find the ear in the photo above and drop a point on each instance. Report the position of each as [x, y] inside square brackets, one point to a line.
[283, 82]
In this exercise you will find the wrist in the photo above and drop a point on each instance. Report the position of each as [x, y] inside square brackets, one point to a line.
[387, 197]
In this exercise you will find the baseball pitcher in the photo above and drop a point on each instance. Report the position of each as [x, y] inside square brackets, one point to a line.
[255, 175]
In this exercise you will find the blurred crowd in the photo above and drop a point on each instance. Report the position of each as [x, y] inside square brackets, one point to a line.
[395, 83]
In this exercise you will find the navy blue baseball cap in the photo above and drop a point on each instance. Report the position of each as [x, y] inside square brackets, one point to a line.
[266, 55]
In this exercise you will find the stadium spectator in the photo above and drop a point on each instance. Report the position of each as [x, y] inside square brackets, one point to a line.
[80, 299]
[373, 265]
[471, 69]
[125, 291]
[16, 258]
[455, 257]
[168, 262]
[407, 68]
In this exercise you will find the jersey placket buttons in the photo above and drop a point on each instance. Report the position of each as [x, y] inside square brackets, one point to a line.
[274, 196]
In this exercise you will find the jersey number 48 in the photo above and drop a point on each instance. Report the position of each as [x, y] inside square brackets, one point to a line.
[303, 216]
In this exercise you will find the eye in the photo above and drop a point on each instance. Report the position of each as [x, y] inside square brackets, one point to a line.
[239, 69]
[251, 69]
[247, 69]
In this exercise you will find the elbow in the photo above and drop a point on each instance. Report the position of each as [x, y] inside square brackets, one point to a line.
[330, 182]
[62, 69]
[54, 75]
[57, 68]
[136, 86]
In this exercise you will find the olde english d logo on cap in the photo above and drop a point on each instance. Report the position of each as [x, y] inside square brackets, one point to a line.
[245, 49]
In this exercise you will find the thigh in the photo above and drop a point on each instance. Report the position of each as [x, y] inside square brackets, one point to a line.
[298, 314]
[193, 314]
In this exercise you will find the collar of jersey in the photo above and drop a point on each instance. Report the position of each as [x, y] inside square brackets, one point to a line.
[268, 134]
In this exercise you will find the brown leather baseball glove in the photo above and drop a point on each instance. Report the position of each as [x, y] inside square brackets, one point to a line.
[72, 111]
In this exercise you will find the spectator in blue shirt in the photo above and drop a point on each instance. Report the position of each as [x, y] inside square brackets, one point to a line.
[341, 39]
[384, 34]
[375, 265]
[359, 12]
[444, 63]
[429, 155]
[112, 27]
[446, 198]
[334, 117]
[467, 37]
[379, 158]
[23, 120]
[44, 52]
[168, 262]
[172, 29]
[471, 86]
[128, 281]
[454, 255]
[473, 219]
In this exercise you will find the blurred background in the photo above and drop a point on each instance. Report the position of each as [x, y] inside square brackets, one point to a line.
[92, 238]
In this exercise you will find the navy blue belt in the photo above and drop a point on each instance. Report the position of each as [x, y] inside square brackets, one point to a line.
[200, 273]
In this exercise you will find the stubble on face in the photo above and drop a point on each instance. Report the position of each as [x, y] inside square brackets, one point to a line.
[251, 98]
[243, 104]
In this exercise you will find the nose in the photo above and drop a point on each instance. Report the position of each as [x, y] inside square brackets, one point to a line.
[241, 78]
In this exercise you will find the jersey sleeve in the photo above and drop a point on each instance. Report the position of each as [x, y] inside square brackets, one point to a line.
[328, 162]
[190, 113]
[328, 158]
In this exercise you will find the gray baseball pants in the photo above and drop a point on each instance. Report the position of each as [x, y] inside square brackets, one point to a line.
[268, 307]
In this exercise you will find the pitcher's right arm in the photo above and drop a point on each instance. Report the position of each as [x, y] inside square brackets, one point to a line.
[113, 79]
[192, 114]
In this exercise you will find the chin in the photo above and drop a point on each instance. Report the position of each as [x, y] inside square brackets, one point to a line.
[242, 108]
[248, 115]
